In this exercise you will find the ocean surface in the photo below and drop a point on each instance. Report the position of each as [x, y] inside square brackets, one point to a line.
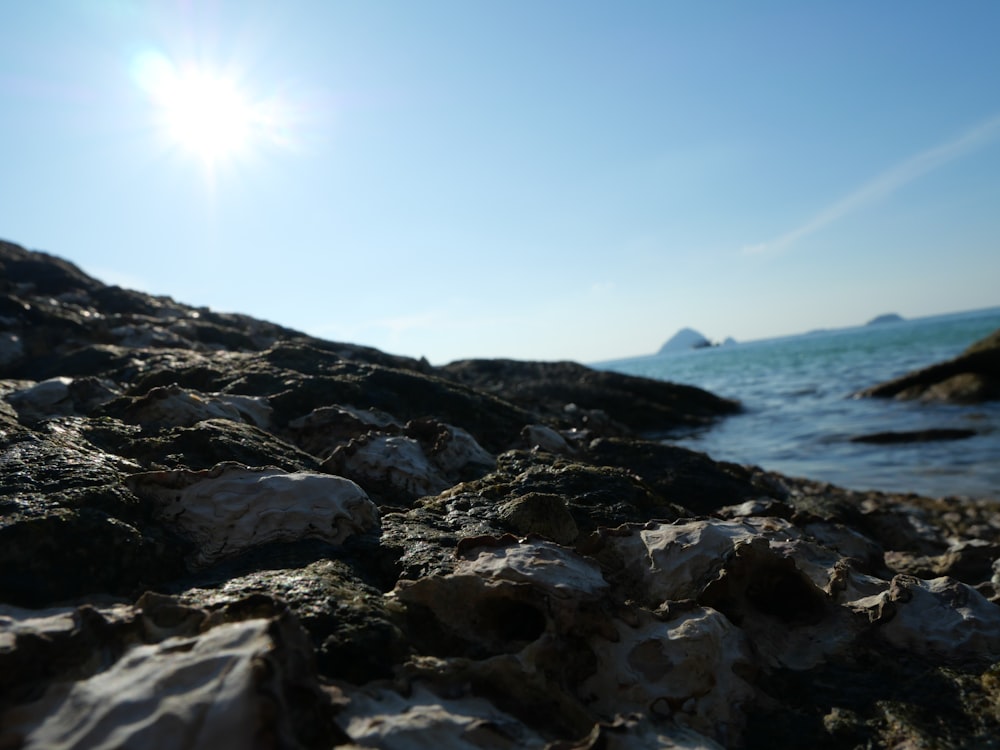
[799, 415]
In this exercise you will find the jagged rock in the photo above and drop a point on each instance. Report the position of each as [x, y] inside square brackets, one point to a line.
[538, 574]
[971, 377]
[348, 619]
[941, 617]
[969, 560]
[689, 665]
[639, 404]
[207, 443]
[394, 468]
[68, 525]
[322, 430]
[230, 508]
[545, 515]
[160, 675]
[427, 459]
[60, 396]
[678, 475]
[595, 495]
[382, 718]
[173, 406]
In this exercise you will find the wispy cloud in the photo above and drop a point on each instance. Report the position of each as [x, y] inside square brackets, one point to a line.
[885, 184]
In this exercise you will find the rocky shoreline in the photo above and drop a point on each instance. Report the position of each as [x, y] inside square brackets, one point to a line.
[971, 377]
[219, 532]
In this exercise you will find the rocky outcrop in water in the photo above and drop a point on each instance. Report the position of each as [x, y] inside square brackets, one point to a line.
[880, 320]
[217, 532]
[971, 377]
[684, 339]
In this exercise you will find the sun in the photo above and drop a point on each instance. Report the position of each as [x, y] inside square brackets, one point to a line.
[208, 115]
[200, 110]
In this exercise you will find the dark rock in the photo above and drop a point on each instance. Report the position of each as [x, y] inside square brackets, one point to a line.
[678, 475]
[487, 554]
[571, 395]
[971, 377]
[160, 672]
[214, 441]
[915, 436]
[351, 629]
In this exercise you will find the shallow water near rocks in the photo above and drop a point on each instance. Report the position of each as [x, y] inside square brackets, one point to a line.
[799, 415]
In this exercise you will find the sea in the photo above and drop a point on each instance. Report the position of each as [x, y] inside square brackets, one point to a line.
[800, 414]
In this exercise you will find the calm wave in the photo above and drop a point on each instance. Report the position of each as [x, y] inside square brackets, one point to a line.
[800, 416]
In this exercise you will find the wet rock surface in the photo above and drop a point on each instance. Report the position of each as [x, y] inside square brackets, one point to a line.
[217, 532]
[971, 377]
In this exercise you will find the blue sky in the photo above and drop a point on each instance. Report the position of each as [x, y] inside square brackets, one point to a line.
[537, 179]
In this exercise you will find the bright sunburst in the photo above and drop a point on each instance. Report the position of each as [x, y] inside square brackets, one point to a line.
[208, 115]
[202, 111]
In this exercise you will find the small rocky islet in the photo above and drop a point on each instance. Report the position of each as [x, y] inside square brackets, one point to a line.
[219, 532]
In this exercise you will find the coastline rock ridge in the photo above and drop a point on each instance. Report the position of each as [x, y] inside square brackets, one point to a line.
[217, 531]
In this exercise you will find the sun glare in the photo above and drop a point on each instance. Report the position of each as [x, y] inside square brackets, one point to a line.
[202, 111]
[208, 115]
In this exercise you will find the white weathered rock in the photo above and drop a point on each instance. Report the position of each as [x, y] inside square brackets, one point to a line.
[49, 623]
[557, 570]
[456, 450]
[545, 438]
[49, 398]
[780, 585]
[828, 570]
[637, 732]
[230, 508]
[675, 561]
[941, 617]
[381, 718]
[146, 335]
[253, 410]
[57, 397]
[690, 666]
[845, 541]
[205, 687]
[183, 407]
[518, 600]
[509, 595]
[787, 612]
[393, 461]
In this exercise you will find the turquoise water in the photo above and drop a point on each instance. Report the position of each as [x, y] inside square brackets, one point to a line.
[799, 414]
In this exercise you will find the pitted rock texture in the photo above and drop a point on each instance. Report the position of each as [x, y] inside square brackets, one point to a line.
[215, 531]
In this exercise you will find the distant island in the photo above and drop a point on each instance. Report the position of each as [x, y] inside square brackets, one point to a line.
[684, 339]
[887, 318]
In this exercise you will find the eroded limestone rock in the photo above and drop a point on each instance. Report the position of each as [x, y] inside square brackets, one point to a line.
[691, 666]
[173, 406]
[382, 718]
[162, 675]
[644, 595]
[940, 617]
[230, 508]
